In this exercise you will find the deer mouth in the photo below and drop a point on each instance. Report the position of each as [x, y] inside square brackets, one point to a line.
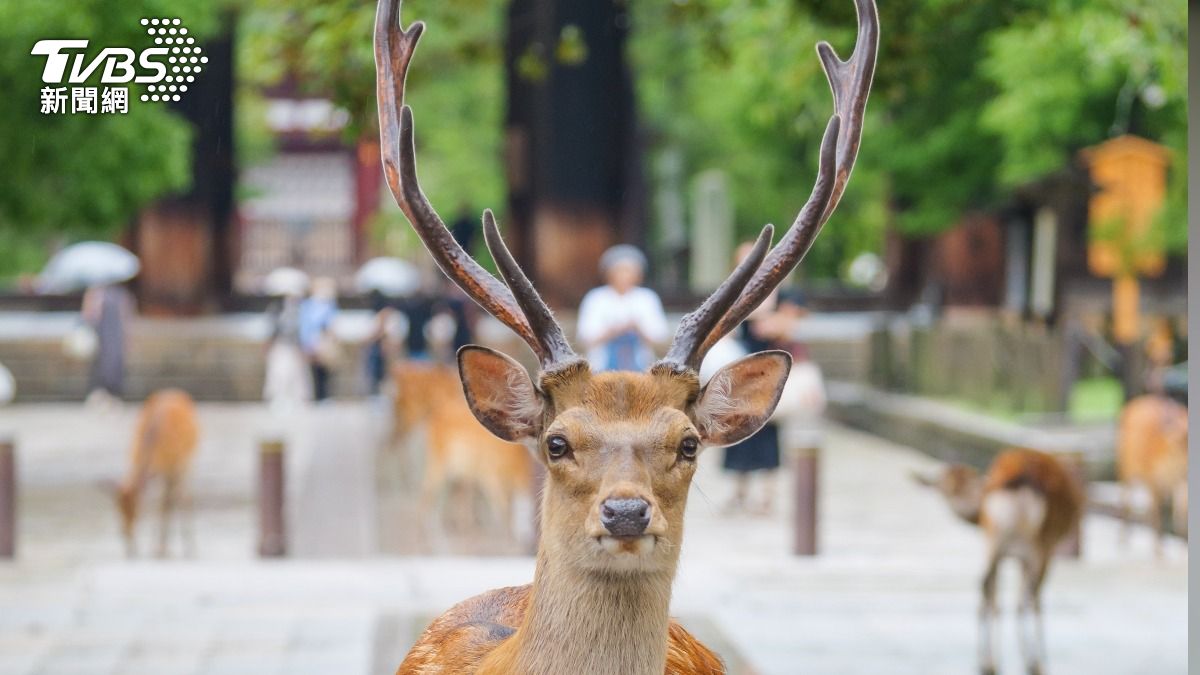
[641, 544]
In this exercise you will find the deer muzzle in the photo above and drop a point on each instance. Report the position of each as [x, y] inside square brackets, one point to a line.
[625, 517]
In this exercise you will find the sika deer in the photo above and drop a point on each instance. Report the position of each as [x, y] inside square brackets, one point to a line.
[458, 451]
[1026, 504]
[1152, 451]
[619, 448]
[163, 445]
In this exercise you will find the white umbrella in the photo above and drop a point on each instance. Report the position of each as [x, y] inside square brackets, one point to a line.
[88, 263]
[285, 281]
[390, 276]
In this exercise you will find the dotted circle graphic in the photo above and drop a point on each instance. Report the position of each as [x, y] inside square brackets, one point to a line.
[186, 58]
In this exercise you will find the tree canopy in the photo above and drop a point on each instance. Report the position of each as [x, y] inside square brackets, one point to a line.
[971, 98]
[82, 175]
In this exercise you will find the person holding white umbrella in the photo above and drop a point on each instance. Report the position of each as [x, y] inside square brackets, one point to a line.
[108, 309]
[101, 267]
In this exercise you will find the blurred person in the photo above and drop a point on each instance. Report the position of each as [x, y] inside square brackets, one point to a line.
[622, 323]
[316, 334]
[771, 326]
[465, 227]
[462, 310]
[107, 309]
[381, 341]
[288, 382]
[417, 310]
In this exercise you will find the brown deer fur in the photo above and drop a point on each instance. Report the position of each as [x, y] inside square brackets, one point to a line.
[1152, 452]
[598, 604]
[458, 450]
[163, 444]
[1026, 504]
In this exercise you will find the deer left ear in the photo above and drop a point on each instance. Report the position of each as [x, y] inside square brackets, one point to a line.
[500, 393]
[740, 398]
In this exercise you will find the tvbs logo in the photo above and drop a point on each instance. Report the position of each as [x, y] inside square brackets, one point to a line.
[167, 68]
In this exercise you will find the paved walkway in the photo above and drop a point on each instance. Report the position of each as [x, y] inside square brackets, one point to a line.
[895, 590]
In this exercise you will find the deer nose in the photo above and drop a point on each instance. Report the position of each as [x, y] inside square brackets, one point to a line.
[625, 517]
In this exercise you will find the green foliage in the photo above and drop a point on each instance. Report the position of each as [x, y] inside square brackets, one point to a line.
[970, 98]
[1080, 72]
[82, 176]
[737, 86]
[455, 84]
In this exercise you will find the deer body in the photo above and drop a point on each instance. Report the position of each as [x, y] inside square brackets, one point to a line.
[458, 451]
[1025, 504]
[1152, 451]
[163, 445]
[481, 633]
[619, 449]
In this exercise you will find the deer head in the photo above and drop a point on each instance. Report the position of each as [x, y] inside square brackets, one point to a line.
[620, 448]
[962, 488]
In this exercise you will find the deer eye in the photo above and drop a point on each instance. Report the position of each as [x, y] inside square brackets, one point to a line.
[688, 448]
[557, 447]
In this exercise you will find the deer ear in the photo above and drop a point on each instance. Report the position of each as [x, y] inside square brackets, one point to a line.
[739, 398]
[500, 393]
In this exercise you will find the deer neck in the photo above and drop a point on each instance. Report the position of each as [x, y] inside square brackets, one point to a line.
[582, 621]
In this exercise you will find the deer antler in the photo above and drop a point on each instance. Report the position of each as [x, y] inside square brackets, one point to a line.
[850, 82]
[517, 305]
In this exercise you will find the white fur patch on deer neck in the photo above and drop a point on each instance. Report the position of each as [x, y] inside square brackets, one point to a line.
[595, 623]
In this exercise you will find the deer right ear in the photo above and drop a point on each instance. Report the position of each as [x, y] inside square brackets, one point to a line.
[500, 393]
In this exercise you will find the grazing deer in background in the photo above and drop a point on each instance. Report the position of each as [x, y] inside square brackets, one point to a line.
[1026, 504]
[619, 448]
[163, 444]
[1152, 451]
[459, 451]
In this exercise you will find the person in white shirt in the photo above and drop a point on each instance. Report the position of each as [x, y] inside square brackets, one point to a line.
[621, 323]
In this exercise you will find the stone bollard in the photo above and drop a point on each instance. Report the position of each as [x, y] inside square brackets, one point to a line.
[272, 528]
[8, 497]
[1072, 461]
[805, 514]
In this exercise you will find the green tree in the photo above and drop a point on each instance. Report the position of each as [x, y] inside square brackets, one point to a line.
[1080, 72]
[736, 85]
[82, 176]
[970, 98]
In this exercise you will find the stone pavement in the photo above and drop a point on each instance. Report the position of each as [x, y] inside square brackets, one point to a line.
[895, 590]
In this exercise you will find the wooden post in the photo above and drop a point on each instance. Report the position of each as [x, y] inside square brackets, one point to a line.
[1072, 461]
[805, 513]
[8, 498]
[272, 528]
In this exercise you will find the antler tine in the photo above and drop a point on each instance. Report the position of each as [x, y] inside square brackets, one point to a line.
[394, 48]
[694, 327]
[850, 82]
[555, 349]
